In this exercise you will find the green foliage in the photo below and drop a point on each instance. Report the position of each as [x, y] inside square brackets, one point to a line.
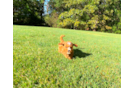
[66, 22]
[97, 15]
[77, 23]
[89, 9]
[116, 29]
[77, 14]
[118, 32]
[48, 20]
[70, 3]
[52, 20]
[28, 11]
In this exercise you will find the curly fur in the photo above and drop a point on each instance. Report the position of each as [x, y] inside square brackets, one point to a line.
[66, 48]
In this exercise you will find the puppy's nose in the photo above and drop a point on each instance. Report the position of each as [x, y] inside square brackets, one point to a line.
[69, 49]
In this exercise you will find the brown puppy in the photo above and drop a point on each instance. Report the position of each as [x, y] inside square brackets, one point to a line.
[66, 48]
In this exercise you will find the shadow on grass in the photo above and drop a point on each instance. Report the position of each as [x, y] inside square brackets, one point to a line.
[80, 54]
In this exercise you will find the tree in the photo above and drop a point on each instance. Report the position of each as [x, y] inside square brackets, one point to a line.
[81, 14]
[28, 11]
[52, 20]
[97, 15]
[54, 8]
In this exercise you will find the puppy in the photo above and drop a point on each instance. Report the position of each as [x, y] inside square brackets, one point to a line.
[66, 48]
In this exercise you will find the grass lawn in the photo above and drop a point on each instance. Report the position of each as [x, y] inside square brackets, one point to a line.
[37, 62]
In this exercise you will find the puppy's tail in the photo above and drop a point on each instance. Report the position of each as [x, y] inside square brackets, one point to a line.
[61, 38]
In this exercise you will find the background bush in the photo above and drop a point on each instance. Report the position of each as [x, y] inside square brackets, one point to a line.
[95, 15]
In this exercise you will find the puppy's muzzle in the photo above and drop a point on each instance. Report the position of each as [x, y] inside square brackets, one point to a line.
[68, 50]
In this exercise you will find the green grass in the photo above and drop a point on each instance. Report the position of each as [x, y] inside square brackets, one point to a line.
[37, 63]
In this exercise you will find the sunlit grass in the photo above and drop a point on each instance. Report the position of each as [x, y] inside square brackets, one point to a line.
[37, 63]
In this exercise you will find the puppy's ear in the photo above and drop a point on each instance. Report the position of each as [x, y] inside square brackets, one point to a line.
[61, 44]
[75, 45]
